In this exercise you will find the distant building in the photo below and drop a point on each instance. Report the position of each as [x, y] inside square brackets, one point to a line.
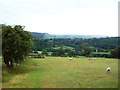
[33, 53]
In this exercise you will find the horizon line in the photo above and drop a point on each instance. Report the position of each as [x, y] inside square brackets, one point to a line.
[78, 34]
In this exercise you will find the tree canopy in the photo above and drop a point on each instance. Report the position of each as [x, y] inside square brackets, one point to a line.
[116, 52]
[16, 43]
[0, 40]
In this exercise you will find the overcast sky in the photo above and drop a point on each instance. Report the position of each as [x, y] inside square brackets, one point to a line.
[84, 17]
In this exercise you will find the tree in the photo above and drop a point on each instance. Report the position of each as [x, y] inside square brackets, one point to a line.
[0, 40]
[72, 53]
[86, 48]
[115, 53]
[16, 44]
[44, 52]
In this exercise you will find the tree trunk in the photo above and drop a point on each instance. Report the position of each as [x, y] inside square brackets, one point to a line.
[11, 63]
[8, 62]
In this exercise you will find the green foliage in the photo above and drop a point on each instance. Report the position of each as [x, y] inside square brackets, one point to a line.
[0, 40]
[16, 43]
[86, 48]
[44, 52]
[58, 52]
[104, 44]
[115, 53]
[81, 46]
[63, 51]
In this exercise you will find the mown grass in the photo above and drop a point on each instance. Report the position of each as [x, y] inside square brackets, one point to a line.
[60, 72]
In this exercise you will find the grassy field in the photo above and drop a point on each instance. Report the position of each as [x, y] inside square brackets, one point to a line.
[60, 72]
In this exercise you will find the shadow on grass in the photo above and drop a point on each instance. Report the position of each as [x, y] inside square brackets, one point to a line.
[8, 74]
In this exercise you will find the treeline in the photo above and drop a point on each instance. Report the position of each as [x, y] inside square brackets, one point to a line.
[104, 44]
[77, 46]
[101, 44]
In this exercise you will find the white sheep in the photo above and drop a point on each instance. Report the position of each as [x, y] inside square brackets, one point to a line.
[108, 69]
[70, 58]
[94, 58]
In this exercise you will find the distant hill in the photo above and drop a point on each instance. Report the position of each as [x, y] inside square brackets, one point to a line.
[41, 35]
[48, 36]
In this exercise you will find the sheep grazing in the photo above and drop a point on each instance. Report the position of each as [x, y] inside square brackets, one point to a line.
[108, 69]
[94, 58]
[70, 58]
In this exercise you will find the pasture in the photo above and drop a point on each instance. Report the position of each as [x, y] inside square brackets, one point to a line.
[60, 72]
